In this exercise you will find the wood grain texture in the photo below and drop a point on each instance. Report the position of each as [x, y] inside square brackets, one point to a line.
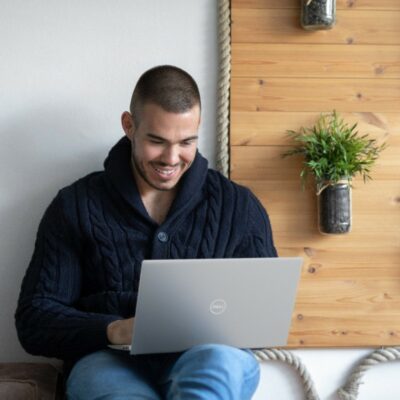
[340, 4]
[282, 78]
[317, 61]
[307, 330]
[266, 163]
[315, 94]
[269, 128]
[283, 26]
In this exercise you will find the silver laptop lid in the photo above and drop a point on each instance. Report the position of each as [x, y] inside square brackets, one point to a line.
[246, 303]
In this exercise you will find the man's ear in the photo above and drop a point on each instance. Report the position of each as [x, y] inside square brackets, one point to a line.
[128, 124]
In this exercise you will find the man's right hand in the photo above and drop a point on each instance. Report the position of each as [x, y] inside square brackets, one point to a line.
[120, 331]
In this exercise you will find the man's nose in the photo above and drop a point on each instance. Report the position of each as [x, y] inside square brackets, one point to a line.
[171, 155]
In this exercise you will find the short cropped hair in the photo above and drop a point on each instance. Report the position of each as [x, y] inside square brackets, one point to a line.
[169, 87]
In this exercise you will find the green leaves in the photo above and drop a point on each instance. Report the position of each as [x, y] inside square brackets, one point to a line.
[333, 150]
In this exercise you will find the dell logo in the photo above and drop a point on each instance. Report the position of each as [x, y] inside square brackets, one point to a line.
[218, 306]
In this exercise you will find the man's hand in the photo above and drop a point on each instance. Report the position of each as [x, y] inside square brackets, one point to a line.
[120, 331]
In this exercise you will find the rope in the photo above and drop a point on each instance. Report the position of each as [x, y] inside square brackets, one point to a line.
[350, 390]
[294, 361]
[224, 42]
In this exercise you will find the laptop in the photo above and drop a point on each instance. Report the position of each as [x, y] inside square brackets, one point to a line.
[241, 302]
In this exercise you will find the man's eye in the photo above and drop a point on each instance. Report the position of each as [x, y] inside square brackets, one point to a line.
[156, 141]
[188, 142]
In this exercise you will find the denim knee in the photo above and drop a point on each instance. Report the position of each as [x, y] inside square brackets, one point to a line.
[214, 371]
[108, 374]
[225, 356]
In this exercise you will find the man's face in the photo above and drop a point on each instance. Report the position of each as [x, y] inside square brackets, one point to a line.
[163, 146]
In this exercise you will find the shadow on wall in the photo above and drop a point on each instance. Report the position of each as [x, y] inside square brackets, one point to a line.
[41, 151]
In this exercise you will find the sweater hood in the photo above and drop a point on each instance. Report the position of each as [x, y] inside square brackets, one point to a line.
[117, 167]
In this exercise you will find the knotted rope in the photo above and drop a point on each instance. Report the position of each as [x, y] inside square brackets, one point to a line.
[350, 390]
[224, 73]
[294, 361]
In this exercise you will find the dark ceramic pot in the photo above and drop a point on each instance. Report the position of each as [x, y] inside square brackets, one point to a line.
[334, 208]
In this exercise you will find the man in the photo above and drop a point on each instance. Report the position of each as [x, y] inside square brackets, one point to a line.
[155, 199]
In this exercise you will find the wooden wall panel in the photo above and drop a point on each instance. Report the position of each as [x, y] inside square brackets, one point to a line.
[340, 4]
[315, 60]
[315, 94]
[265, 163]
[283, 26]
[269, 128]
[282, 78]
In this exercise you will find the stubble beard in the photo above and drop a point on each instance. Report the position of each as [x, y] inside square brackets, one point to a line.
[139, 169]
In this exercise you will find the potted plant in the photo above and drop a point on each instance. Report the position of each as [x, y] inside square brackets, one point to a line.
[318, 14]
[333, 153]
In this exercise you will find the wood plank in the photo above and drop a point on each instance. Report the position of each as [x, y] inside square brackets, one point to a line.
[374, 270]
[362, 237]
[290, 237]
[344, 331]
[318, 60]
[345, 263]
[287, 198]
[309, 237]
[266, 163]
[291, 234]
[363, 228]
[290, 94]
[283, 26]
[349, 298]
[363, 294]
[327, 260]
[250, 128]
[340, 4]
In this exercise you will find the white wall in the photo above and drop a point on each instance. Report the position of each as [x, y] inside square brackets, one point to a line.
[67, 70]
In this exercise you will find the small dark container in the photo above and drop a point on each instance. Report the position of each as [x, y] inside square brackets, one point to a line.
[334, 209]
[318, 14]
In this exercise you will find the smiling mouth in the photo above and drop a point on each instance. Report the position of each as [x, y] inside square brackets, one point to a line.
[165, 172]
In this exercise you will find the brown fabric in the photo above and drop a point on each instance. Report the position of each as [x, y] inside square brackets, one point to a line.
[16, 389]
[28, 381]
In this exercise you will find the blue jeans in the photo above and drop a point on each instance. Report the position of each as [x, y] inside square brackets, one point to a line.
[205, 372]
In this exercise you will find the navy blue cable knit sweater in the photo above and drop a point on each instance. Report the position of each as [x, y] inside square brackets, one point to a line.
[85, 269]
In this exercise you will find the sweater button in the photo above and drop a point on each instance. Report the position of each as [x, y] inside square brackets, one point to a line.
[162, 237]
